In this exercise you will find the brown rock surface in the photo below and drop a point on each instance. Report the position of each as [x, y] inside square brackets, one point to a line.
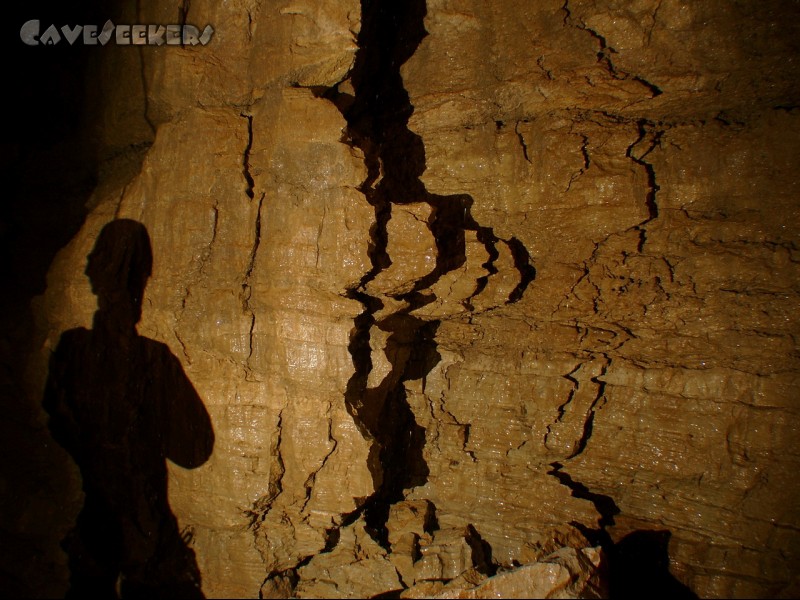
[459, 297]
[567, 573]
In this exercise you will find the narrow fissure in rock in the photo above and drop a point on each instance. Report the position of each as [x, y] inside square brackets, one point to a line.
[248, 177]
[653, 140]
[605, 505]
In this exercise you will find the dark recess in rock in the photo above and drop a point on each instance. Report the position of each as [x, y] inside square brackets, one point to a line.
[52, 156]
[377, 118]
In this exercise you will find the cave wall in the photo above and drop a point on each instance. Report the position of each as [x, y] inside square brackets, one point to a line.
[533, 263]
[654, 356]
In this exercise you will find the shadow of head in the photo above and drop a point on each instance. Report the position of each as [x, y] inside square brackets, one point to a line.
[119, 265]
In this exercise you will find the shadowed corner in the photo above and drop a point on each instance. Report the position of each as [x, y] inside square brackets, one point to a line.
[640, 566]
[121, 405]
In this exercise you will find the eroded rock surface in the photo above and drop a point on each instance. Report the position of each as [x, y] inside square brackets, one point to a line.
[567, 573]
[469, 287]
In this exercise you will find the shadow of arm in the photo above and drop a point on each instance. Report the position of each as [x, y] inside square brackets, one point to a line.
[189, 434]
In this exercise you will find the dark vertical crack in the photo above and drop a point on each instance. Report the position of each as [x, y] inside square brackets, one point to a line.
[522, 143]
[250, 191]
[377, 120]
[248, 177]
[276, 475]
[604, 504]
[249, 26]
[649, 35]
[377, 123]
[562, 409]
[650, 139]
[258, 512]
[567, 13]
[586, 161]
[588, 411]
[653, 139]
[214, 227]
[183, 12]
[247, 289]
[588, 424]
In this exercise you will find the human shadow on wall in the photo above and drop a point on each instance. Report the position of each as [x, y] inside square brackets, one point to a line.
[121, 404]
[640, 566]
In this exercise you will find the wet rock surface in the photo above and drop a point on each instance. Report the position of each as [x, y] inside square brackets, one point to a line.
[480, 298]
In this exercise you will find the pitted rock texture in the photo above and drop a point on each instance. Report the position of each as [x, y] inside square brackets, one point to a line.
[465, 287]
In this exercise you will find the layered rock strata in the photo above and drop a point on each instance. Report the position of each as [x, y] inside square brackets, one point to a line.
[467, 287]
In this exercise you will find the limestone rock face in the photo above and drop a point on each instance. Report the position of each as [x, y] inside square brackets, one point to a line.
[651, 360]
[358, 567]
[568, 573]
[469, 290]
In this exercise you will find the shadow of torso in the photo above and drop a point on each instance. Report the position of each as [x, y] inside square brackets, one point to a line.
[121, 404]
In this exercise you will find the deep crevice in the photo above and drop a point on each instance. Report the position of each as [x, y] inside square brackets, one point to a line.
[377, 120]
[377, 123]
